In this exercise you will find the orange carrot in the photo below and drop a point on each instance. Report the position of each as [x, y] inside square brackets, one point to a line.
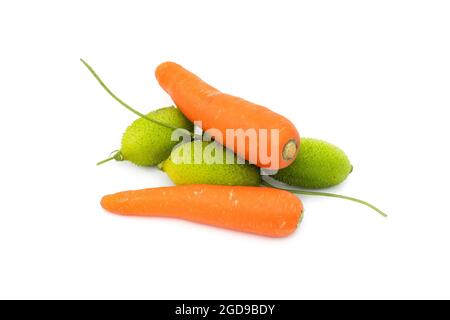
[201, 102]
[264, 211]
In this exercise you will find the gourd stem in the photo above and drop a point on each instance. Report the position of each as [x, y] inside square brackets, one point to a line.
[115, 155]
[326, 194]
[104, 161]
[122, 102]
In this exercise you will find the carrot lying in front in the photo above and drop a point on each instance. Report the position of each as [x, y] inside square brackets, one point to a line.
[264, 211]
[201, 102]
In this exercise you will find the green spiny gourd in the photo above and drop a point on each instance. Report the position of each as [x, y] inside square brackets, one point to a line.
[147, 143]
[319, 164]
[201, 162]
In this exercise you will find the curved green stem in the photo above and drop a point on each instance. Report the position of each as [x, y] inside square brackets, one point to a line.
[122, 102]
[326, 194]
[115, 155]
[105, 160]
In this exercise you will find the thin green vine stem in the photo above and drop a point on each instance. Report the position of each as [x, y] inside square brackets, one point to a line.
[105, 160]
[326, 194]
[115, 155]
[96, 76]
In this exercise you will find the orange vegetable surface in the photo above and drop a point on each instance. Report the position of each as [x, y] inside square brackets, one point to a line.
[216, 110]
[259, 210]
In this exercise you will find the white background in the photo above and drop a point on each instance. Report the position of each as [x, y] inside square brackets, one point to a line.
[372, 77]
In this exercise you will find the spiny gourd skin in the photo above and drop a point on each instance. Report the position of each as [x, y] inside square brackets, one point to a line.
[319, 164]
[146, 143]
[182, 169]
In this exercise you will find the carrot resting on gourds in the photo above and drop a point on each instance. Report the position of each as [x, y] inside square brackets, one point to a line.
[216, 110]
[259, 210]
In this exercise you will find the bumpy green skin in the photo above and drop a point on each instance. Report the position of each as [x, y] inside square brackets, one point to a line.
[319, 164]
[188, 172]
[146, 143]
